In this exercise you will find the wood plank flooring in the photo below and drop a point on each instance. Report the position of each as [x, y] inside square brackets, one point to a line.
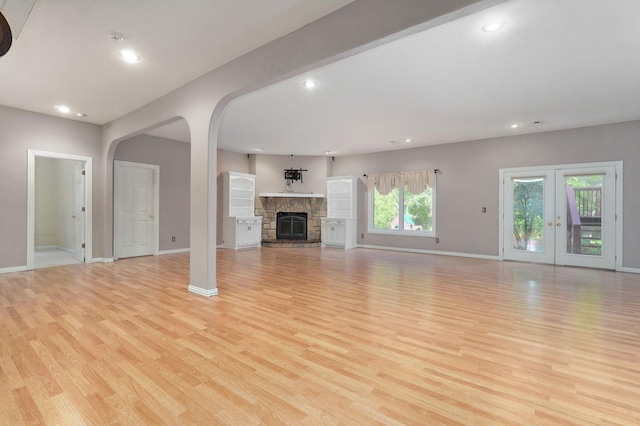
[320, 337]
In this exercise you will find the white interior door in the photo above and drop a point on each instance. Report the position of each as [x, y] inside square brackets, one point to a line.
[136, 209]
[561, 215]
[79, 211]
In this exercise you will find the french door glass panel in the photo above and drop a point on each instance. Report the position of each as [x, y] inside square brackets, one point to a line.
[528, 201]
[561, 216]
[586, 234]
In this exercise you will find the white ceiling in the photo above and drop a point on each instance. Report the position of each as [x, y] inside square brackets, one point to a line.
[566, 63]
[64, 54]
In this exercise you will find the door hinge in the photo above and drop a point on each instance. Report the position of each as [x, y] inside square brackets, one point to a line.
[83, 245]
[83, 209]
[84, 172]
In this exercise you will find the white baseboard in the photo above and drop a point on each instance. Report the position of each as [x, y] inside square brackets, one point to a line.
[100, 260]
[176, 251]
[443, 253]
[13, 269]
[202, 291]
[630, 270]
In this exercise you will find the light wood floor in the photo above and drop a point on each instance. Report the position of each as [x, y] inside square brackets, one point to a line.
[320, 336]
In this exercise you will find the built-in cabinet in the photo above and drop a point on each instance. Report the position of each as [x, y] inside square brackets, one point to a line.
[240, 227]
[340, 227]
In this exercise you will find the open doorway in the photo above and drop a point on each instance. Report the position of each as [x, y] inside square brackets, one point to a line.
[59, 209]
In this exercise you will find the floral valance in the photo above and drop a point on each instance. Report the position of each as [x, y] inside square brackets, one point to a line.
[416, 182]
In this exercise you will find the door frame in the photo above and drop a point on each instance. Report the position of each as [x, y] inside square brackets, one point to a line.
[618, 165]
[31, 201]
[156, 204]
[79, 247]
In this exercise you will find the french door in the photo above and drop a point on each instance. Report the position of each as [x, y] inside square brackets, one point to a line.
[564, 215]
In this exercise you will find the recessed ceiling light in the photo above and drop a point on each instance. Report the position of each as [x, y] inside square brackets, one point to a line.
[129, 56]
[258, 149]
[310, 84]
[80, 114]
[492, 26]
[327, 152]
[407, 140]
[63, 109]
[514, 126]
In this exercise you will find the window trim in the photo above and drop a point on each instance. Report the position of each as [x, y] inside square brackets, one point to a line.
[401, 232]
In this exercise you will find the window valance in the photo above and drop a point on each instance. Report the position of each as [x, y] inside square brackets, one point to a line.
[416, 181]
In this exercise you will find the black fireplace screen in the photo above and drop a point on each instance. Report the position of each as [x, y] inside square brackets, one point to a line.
[291, 226]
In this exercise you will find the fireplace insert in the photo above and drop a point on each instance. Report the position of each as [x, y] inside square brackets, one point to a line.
[291, 226]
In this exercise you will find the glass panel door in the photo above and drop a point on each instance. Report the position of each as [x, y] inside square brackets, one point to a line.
[586, 217]
[561, 216]
[528, 202]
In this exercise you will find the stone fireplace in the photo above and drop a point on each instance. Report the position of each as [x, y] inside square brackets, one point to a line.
[313, 205]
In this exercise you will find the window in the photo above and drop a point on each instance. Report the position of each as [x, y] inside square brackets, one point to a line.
[401, 211]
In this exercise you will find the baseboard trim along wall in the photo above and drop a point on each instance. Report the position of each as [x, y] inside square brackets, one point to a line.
[100, 260]
[13, 269]
[202, 291]
[175, 251]
[443, 253]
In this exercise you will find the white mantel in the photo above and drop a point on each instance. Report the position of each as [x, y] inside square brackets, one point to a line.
[290, 195]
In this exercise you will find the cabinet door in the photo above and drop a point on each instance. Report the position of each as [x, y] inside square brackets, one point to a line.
[333, 232]
[254, 233]
[242, 232]
[340, 233]
[248, 232]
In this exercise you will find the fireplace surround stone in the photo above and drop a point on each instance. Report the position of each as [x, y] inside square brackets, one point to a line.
[269, 206]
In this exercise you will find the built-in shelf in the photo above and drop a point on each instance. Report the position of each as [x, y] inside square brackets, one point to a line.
[290, 195]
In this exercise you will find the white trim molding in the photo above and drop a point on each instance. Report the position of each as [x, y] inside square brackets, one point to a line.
[419, 251]
[13, 269]
[101, 260]
[630, 270]
[175, 251]
[202, 291]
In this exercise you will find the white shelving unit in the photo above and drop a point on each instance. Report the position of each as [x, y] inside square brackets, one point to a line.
[340, 228]
[240, 227]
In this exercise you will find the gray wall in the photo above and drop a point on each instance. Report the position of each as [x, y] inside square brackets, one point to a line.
[20, 131]
[269, 171]
[174, 159]
[232, 162]
[469, 181]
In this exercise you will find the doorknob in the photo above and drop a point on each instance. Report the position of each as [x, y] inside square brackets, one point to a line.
[550, 223]
[558, 225]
